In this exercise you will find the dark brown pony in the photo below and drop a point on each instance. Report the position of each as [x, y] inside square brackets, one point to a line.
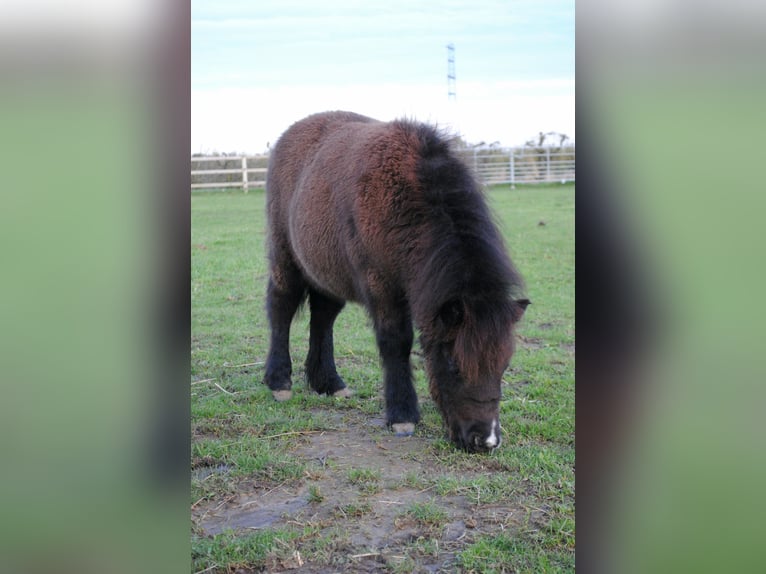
[386, 215]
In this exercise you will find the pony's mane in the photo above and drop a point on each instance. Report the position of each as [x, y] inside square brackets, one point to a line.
[467, 297]
[466, 286]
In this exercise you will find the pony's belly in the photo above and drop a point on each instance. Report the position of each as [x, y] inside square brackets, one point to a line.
[340, 287]
[322, 259]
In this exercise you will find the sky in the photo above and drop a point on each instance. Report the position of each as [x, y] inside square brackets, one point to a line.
[257, 67]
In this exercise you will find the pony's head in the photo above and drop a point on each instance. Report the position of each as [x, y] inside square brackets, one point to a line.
[465, 294]
[467, 351]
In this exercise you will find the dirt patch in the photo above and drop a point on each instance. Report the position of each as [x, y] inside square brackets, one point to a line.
[373, 495]
[534, 343]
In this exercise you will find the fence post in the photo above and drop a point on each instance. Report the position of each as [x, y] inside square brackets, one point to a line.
[513, 170]
[547, 164]
[244, 173]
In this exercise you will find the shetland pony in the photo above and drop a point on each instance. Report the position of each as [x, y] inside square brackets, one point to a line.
[386, 215]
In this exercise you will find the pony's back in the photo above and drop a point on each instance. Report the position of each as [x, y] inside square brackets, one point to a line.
[298, 145]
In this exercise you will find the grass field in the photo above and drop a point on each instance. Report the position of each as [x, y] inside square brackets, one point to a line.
[320, 484]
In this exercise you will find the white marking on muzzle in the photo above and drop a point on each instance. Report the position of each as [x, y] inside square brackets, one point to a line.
[492, 441]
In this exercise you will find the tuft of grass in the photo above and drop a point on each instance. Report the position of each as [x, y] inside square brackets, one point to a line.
[360, 476]
[315, 495]
[366, 479]
[427, 514]
[354, 509]
[363, 475]
[413, 480]
[426, 546]
[401, 565]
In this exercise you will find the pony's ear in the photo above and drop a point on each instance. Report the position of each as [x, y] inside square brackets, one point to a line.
[451, 315]
[519, 306]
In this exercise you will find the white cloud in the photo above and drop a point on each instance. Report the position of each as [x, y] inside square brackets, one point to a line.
[245, 119]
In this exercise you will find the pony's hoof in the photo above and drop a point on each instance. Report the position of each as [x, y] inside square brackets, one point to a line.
[403, 429]
[282, 396]
[343, 393]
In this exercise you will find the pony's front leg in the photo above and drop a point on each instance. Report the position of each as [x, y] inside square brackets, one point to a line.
[393, 331]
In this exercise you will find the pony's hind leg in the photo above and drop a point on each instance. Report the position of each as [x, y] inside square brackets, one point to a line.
[393, 332]
[321, 373]
[282, 301]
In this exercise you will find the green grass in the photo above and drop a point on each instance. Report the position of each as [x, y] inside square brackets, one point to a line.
[363, 475]
[247, 438]
[354, 509]
[315, 494]
[367, 480]
[427, 514]
[502, 553]
[230, 550]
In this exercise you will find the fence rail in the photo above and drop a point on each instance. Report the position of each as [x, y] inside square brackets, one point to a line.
[521, 165]
[235, 176]
[491, 166]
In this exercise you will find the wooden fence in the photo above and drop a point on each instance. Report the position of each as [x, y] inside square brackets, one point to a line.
[491, 165]
[217, 172]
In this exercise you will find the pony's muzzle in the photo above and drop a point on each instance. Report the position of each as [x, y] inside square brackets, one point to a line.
[480, 437]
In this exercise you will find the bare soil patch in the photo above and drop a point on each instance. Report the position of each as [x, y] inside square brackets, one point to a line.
[371, 522]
